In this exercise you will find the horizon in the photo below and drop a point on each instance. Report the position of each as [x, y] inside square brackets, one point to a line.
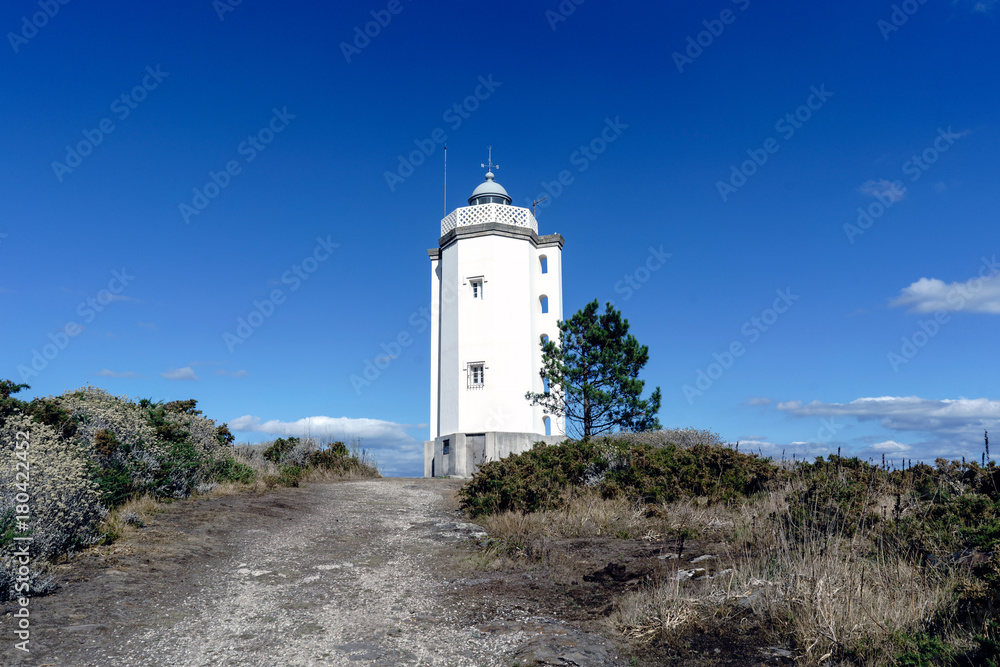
[792, 207]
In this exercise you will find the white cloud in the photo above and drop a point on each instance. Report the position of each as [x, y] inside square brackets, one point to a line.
[910, 413]
[112, 374]
[396, 451]
[888, 191]
[946, 427]
[186, 373]
[322, 426]
[976, 295]
[888, 447]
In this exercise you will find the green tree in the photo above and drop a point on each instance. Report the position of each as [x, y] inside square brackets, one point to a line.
[7, 404]
[593, 375]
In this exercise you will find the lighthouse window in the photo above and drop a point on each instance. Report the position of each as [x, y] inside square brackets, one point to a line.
[477, 375]
[544, 261]
[545, 304]
[477, 289]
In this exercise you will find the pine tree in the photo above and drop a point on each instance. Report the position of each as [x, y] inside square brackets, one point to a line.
[593, 375]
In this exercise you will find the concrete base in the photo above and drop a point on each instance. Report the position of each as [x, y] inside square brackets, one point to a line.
[467, 451]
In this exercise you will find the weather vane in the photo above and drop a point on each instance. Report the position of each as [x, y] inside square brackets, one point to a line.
[490, 165]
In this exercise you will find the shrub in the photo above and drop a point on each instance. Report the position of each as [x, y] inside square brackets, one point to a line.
[105, 442]
[291, 475]
[92, 452]
[280, 449]
[64, 500]
[544, 478]
[116, 484]
[231, 470]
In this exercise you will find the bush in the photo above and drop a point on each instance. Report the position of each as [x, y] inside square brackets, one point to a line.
[105, 442]
[116, 484]
[92, 452]
[544, 478]
[231, 470]
[280, 449]
[291, 475]
[65, 501]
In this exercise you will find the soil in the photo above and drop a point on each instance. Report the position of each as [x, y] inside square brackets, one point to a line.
[374, 572]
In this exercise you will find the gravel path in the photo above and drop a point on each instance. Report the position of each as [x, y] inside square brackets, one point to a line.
[357, 583]
[348, 573]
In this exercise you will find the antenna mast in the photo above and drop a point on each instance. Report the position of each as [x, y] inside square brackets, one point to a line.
[536, 203]
[490, 163]
[445, 181]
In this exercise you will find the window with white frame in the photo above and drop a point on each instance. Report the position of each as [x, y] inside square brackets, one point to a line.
[477, 374]
[477, 288]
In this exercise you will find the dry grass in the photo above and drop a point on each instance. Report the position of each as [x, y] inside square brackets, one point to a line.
[840, 596]
[224, 489]
[584, 516]
[128, 518]
[831, 594]
[652, 612]
[324, 475]
[838, 560]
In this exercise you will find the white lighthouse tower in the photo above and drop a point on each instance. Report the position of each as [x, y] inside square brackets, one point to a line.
[496, 292]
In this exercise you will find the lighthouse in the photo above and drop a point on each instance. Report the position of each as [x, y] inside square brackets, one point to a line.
[496, 294]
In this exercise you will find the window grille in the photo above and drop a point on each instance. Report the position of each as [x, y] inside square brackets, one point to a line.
[477, 375]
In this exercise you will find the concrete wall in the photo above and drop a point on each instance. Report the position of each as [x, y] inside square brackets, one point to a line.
[466, 452]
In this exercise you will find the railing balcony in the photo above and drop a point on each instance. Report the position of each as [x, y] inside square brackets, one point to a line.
[487, 213]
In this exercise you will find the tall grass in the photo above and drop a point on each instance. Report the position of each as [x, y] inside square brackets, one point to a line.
[838, 559]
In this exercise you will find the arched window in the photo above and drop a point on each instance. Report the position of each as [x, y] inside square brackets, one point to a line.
[544, 300]
[548, 425]
[544, 262]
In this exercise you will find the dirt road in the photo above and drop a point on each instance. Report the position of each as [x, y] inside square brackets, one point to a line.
[345, 573]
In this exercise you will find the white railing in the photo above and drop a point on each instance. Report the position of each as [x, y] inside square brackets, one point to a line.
[486, 213]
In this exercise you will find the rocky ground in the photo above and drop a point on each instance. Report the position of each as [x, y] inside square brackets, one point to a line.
[374, 572]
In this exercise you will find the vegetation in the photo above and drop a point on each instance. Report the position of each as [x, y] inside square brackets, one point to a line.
[94, 458]
[844, 561]
[593, 375]
[547, 477]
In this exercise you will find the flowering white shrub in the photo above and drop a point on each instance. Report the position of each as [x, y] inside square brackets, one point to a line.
[103, 411]
[297, 455]
[63, 502]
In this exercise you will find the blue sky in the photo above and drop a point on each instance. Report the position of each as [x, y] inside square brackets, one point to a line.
[822, 177]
